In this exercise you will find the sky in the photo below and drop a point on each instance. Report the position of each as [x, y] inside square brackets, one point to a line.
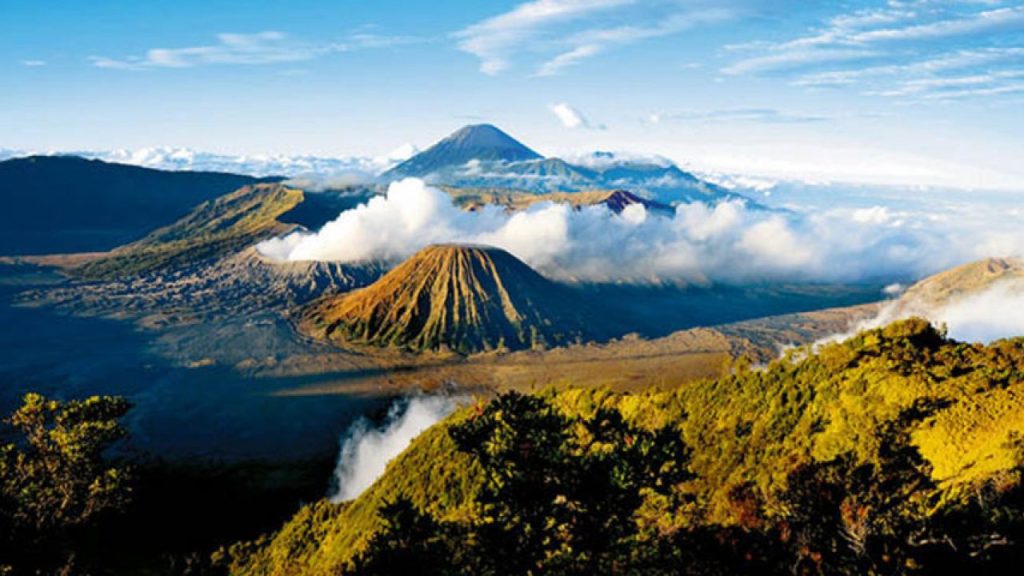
[905, 92]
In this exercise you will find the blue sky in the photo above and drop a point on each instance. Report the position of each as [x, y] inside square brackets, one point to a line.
[923, 92]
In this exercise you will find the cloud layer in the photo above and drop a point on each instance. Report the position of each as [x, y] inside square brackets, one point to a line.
[728, 242]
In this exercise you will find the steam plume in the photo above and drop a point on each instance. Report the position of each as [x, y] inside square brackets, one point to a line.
[367, 450]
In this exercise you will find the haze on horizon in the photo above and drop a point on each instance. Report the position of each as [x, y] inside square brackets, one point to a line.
[903, 92]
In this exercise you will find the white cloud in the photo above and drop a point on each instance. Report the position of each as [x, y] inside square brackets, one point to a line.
[790, 59]
[33, 63]
[945, 86]
[993, 313]
[269, 47]
[727, 242]
[927, 68]
[764, 115]
[493, 39]
[983, 22]
[873, 215]
[569, 116]
[567, 59]
[166, 158]
[897, 50]
[571, 31]
[990, 315]
[366, 451]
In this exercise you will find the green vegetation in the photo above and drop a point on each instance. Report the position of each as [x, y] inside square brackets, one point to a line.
[214, 228]
[56, 486]
[561, 494]
[896, 451]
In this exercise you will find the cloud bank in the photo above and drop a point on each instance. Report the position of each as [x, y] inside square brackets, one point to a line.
[728, 242]
[993, 313]
[366, 450]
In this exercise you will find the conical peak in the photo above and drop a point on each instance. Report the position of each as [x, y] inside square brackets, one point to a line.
[483, 135]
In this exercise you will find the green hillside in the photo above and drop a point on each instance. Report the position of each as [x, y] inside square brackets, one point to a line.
[896, 451]
[214, 228]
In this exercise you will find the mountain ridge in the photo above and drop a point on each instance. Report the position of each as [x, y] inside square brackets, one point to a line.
[99, 204]
[212, 229]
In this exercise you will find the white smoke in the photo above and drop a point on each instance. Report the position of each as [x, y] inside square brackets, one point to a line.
[992, 314]
[699, 243]
[366, 450]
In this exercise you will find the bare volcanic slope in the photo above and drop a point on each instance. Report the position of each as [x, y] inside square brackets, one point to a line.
[461, 298]
[233, 286]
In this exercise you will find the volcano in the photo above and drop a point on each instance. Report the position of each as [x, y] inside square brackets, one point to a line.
[482, 142]
[458, 298]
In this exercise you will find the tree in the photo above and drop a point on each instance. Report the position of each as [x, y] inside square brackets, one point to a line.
[561, 493]
[409, 542]
[55, 482]
[849, 517]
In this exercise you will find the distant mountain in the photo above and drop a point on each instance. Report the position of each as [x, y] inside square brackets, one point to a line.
[69, 204]
[619, 200]
[255, 165]
[461, 298]
[484, 157]
[536, 176]
[614, 200]
[480, 142]
[258, 165]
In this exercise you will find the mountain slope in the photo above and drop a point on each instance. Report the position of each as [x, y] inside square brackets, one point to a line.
[214, 228]
[482, 142]
[68, 204]
[900, 391]
[461, 298]
[235, 286]
[965, 280]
